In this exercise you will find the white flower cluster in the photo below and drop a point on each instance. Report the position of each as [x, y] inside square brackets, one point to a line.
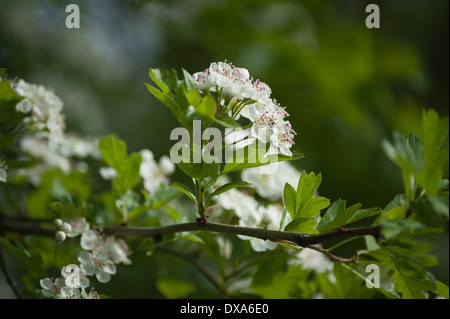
[152, 172]
[313, 260]
[43, 105]
[269, 180]
[251, 99]
[100, 256]
[50, 143]
[253, 214]
[72, 285]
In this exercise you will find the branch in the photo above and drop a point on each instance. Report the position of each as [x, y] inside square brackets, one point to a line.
[299, 239]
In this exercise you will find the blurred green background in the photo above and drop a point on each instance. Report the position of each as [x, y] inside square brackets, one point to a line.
[346, 86]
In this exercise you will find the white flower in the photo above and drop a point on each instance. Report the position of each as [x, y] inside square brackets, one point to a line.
[72, 145]
[251, 99]
[44, 105]
[226, 78]
[204, 80]
[74, 276]
[313, 260]
[269, 180]
[244, 205]
[153, 173]
[258, 91]
[281, 139]
[78, 225]
[252, 214]
[226, 246]
[41, 149]
[238, 138]
[3, 175]
[166, 165]
[269, 218]
[50, 287]
[90, 239]
[91, 295]
[107, 173]
[69, 293]
[118, 250]
[97, 263]
[263, 116]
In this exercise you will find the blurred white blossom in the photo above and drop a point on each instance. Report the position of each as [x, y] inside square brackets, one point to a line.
[313, 260]
[253, 214]
[154, 173]
[269, 180]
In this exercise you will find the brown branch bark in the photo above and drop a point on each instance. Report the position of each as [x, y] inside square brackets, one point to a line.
[299, 239]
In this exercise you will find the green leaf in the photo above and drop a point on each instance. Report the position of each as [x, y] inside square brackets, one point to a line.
[8, 102]
[6, 92]
[434, 131]
[190, 82]
[410, 278]
[268, 270]
[194, 97]
[252, 156]
[290, 198]
[305, 204]
[440, 204]
[302, 225]
[186, 190]
[30, 260]
[338, 215]
[396, 228]
[165, 98]
[333, 216]
[398, 212]
[225, 121]
[284, 282]
[114, 152]
[166, 80]
[441, 289]
[129, 173]
[172, 288]
[347, 285]
[424, 212]
[200, 171]
[422, 158]
[205, 106]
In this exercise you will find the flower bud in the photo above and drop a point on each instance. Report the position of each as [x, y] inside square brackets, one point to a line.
[58, 223]
[66, 228]
[60, 236]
